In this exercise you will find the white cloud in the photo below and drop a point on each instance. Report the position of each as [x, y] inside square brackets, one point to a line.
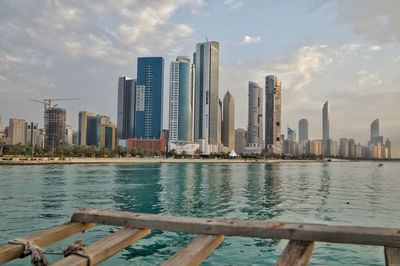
[374, 48]
[366, 79]
[234, 4]
[248, 39]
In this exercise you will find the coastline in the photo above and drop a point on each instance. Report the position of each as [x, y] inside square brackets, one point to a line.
[100, 161]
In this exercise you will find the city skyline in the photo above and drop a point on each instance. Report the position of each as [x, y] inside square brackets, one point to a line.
[308, 63]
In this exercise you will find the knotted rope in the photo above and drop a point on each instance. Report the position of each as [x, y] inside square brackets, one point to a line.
[38, 258]
[78, 248]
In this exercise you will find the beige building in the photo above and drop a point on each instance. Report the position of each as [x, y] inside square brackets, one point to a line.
[228, 124]
[82, 127]
[17, 131]
[107, 135]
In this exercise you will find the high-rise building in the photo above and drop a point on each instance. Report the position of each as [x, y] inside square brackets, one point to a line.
[69, 135]
[255, 114]
[325, 127]
[181, 100]
[99, 131]
[126, 108]
[54, 124]
[17, 131]
[374, 130]
[82, 127]
[388, 145]
[228, 125]
[344, 148]
[241, 140]
[32, 134]
[303, 129]
[291, 134]
[219, 122]
[352, 149]
[206, 99]
[107, 134]
[273, 114]
[149, 97]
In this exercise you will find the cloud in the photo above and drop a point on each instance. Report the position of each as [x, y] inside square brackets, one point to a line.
[248, 39]
[234, 4]
[377, 21]
[368, 79]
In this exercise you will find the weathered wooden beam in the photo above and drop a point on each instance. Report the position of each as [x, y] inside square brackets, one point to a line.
[296, 253]
[106, 247]
[43, 238]
[392, 256]
[196, 251]
[263, 229]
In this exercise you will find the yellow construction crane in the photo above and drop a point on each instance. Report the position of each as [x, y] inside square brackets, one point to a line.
[47, 102]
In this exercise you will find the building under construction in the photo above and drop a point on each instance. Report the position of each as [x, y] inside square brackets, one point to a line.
[54, 124]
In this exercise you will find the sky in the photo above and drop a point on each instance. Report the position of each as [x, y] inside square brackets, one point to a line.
[344, 52]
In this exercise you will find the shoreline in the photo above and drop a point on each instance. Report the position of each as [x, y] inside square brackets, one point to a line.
[104, 161]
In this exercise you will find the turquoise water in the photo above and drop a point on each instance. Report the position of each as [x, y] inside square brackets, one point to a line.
[37, 197]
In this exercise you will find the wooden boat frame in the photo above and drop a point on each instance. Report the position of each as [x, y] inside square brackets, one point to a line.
[301, 236]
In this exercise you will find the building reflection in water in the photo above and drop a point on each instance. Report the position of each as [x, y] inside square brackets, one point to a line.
[324, 212]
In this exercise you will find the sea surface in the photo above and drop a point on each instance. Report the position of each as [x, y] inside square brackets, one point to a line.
[337, 193]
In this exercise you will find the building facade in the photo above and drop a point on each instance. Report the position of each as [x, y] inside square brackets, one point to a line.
[325, 127]
[17, 131]
[181, 100]
[255, 115]
[228, 124]
[241, 140]
[149, 97]
[303, 130]
[206, 99]
[126, 108]
[54, 125]
[273, 114]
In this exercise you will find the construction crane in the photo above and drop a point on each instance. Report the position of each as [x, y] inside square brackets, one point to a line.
[47, 102]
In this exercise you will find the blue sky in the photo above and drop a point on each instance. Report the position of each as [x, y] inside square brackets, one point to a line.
[346, 52]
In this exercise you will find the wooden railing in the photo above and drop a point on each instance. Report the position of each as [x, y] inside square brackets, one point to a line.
[301, 236]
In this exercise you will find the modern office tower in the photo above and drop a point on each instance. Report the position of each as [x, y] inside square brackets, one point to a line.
[107, 135]
[331, 148]
[75, 138]
[255, 114]
[388, 145]
[69, 135]
[93, 129]
[374, 130]
[316, 147]
[206, 99]
[149, 97]
[219, 122]
[241, 140]
[325, 127]
[273, 114]
[291, 134]
[32, 134]
[181, 100]
[17, 131]
[228, 125]
[352, 149]
[344, 148]
[303, 129]
[54, 124]
[82, 127]
[126, 108]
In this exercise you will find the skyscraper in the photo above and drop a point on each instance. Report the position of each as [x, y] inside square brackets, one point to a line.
[374, 129]
[181, 100]
[344, 148]
[291, 134]
[206, 92]
[273, 114]
[228, 124]
[255, 114]
[149, 97]
[126, 108]
[219, 122]
[325, 128]
[303, 129]
[82, 127]
[54, 124]
[241, 139]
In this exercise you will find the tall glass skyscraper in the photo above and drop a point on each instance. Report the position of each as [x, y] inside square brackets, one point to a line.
[325, 128]
[206, 103]
[149, 97]
[126, 108]
[303, 129]
[255, 119]
[181, 85]
[228, 124]
[273, 115]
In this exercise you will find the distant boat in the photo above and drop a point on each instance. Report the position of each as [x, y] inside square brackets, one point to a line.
[380, 164]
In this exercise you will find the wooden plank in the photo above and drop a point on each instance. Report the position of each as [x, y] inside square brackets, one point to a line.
[43, 238]
[392, 256]
[263, 229]
[106, 247]
[296, 253]
[196, 251]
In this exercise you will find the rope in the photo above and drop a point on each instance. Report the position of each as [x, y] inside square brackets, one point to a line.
[38, 258]
[78, 248]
